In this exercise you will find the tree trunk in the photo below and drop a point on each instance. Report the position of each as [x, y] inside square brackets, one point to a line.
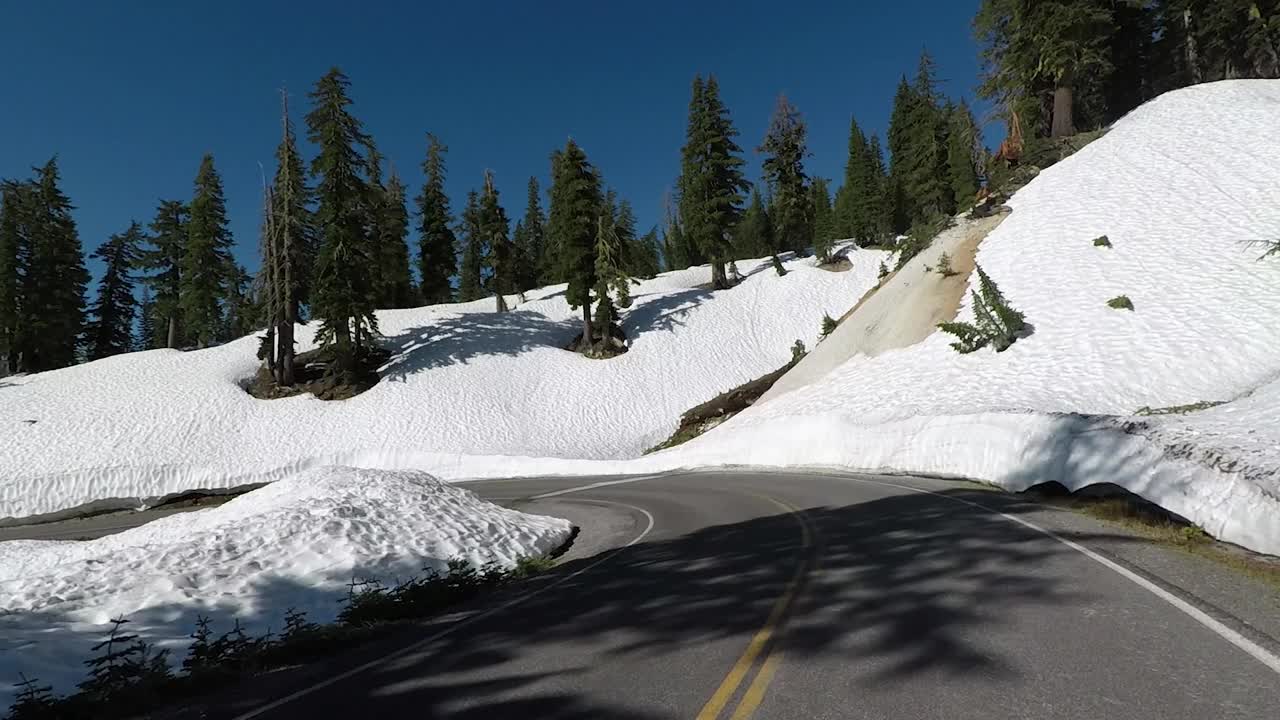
[1063, 112]
[1193, 54]
[587, 339]
[501, 302]
[718, 279]
[172, 341]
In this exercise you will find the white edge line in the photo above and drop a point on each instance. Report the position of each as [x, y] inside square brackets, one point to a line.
[1255, 650]
[456, 626]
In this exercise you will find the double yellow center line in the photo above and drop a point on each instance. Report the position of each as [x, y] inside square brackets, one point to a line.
[762, 642]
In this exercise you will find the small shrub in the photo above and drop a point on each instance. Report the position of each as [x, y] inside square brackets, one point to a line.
[1120, 302]
[777, 266]
[1103, 241]
[921, 236]
[996, 324]
[884, 272]
[125, 672]
[33, 701]
[829, 325]
[798, 352]
[944, 266]
[1193, 534]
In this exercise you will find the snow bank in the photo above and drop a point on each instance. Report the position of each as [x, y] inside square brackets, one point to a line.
[295, 543]
[462, 380]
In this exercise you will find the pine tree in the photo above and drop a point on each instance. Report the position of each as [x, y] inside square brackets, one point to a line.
[437, 248]
[495, 229]
[880, 198]
[784, 148]
[345, 285]
[1053, 46]
[904, 210]
[164, 260]
[396, 282]
[573, 223]
[53, 307]
[148, 337]
[613, 282]
[110, 329]
[12, 261]
[206, 258]
[824, 221]
[470, 280]
[240, 316]
[849, 206]
[925, 176]
[711, 183]
[291, 213]
[647, 260]
[754, 236]
[963, 142]
[531, 243]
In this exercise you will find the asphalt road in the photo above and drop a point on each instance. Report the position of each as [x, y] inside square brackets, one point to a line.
[773, 595]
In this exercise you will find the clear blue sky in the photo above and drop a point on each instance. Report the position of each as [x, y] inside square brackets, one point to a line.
[131, 94]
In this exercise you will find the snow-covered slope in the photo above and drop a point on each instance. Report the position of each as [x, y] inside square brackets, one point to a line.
[295, 543]
[464, 381]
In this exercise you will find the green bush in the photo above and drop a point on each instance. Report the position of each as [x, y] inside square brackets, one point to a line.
[798, 352]
[829, 325]
[1120, 302]
[997, 324]
[1103, 241]
[921, 236]
[884, 272]
[944, 266]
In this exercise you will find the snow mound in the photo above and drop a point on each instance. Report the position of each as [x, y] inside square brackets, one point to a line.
[462, 380]
[295, 543]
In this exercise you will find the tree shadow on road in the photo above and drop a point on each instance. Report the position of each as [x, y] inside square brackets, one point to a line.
[908, 585]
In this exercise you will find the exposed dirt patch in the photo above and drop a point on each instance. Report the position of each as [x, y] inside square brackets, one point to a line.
[715, 411]
[838, 264]
[312, 377]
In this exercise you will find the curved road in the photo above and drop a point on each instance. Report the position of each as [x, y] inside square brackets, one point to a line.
[772, 595]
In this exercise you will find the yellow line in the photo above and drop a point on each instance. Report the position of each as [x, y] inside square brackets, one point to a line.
[725, 692]
[754, 695]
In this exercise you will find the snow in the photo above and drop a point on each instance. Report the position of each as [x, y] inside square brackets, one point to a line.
[1182, 187]
[295, 543]
[463, 380]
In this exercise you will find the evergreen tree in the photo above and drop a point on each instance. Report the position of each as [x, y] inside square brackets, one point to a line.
[501, 258]
[963, 142]
[925, 175]
[345, 286]
[900, 141]
[824, 220]
[240, 314]
[1053, 46]
[163, 259]
[879, 198]
[613, 283]
[13, 253]
[754, 236]
[53, 287]
[395, 280]
[531, 243]
[470, 280]
[291, 213]
[673, 255]
[437, 248]
[110, 329]
[784, 148]
[204, 281]
[647, 260]
[849, 216]
[573, 223]
[148, 337]
[711, 182]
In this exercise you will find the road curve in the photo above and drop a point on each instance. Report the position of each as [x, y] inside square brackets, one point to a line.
[773, 595]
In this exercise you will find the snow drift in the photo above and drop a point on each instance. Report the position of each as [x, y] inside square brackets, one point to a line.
[296, 543]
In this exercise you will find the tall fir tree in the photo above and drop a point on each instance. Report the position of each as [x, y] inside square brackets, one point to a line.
[240, 314]
[900, 141]
[12, 260]
[53, 292]
[880, 199]
[395, 282]
[849, 215]
[163, 259]
[925, 176]
[345, 275]
[647, 260]
[501, 258]
[754, 236]
[109, 330]
[711, 184]
[613, 282]
[291, 212]
[206, 258]
[573, 221]
[963, 144]
[148, 336]
[437, 245]
[471, 273]
[673, 253]
[1045, 50]
[824, 220]
[785, 148]
[531, 243]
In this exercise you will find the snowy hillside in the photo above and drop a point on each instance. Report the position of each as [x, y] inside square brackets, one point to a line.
[463, 381]
[296, 543]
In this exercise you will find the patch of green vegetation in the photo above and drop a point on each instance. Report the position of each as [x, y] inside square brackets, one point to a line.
[1120, 302]
[1102, 241]
[129, 678]
[921, 236]
[829, 325]
[1179, 409]
[944, 266]
[997, 323]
